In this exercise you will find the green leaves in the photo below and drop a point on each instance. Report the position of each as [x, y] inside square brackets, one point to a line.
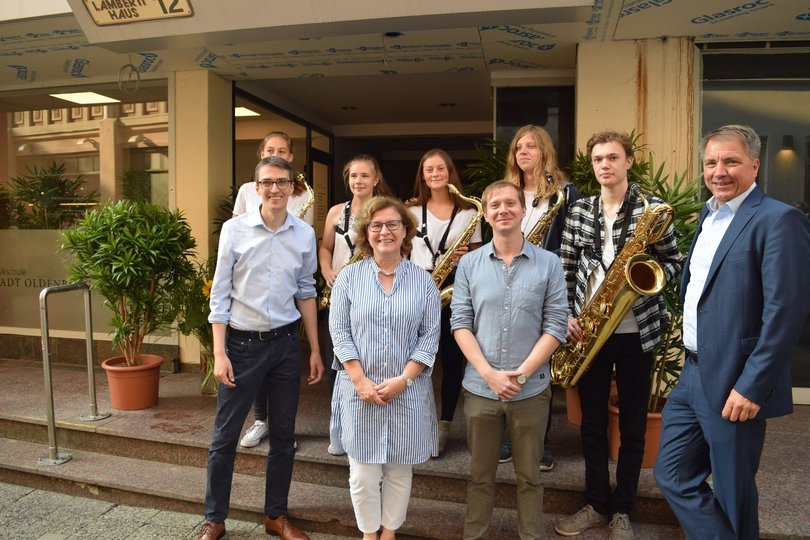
[136, 256]
[45, 198]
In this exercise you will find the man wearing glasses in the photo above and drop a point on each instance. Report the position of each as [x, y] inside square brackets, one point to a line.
[263, 287]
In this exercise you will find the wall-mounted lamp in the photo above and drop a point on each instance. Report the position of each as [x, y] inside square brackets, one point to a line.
[787, 142]
[22, 148]
[87, 140]
[141, 139]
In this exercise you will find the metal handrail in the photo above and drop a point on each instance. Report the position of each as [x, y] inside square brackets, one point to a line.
[54, 457]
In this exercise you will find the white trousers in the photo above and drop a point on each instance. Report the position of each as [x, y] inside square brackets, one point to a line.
[380, 494]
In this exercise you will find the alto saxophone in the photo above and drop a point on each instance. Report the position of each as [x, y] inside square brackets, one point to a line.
[538, 232]
[326, 295]
[633, 273]
[445, 264]
[302, 210]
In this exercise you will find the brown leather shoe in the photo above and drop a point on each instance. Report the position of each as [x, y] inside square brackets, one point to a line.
[211, 531]
[282, 527]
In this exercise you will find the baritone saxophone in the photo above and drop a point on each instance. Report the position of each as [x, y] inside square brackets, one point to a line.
[632, 274]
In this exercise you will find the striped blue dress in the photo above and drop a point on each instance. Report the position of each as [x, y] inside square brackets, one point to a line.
[384, 331]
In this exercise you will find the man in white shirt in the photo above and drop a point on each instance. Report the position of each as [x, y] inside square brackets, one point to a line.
[263, 286]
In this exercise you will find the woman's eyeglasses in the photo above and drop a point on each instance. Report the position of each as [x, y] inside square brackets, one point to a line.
[393, 225]
[280, 184]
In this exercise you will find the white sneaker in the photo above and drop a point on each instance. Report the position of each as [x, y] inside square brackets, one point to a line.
[254, 434]
[335, 451]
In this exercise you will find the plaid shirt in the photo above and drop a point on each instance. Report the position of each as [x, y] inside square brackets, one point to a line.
[579, 259]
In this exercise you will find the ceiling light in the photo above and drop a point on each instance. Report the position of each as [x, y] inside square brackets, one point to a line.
[393, 34]
[447, 105]
[244, 111]
[86, 98]
[348, 108]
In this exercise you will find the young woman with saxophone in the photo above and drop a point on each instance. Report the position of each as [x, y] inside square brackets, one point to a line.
[364, 180]
[442, 217]
[532, 165]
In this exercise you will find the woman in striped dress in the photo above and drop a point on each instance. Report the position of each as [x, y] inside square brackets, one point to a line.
[384, 321]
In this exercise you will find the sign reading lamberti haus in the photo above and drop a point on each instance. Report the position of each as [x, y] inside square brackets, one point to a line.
[107, 12]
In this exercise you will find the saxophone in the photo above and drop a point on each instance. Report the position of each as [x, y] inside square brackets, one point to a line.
[445, 264]
[302, 210]
[326, 295]
[633, 273]
[538, 232]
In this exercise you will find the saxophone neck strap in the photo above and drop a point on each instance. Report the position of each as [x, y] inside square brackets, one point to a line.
[423, 232]
[597, 228]
[344, 230]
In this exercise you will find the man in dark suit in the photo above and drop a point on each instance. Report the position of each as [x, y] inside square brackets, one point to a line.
[745, 304]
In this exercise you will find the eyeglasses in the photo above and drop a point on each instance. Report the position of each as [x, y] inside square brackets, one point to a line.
[280, 184]
[393, 225]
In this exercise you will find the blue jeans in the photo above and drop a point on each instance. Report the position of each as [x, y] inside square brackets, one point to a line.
[276, 365]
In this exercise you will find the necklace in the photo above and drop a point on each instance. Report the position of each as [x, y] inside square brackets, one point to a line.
[388, 273]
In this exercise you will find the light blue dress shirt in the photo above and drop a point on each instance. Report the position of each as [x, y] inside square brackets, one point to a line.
[260, 273]
[509, 309]
[711, 233]
[384, 331]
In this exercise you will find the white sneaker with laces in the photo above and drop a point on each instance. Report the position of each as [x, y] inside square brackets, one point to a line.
[254, 434]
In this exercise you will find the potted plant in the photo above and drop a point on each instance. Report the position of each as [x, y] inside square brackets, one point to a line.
[136, 256]
[193, 299]
[684, 196]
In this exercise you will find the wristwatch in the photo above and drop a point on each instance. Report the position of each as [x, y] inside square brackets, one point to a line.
[521, 378]
[408, 381]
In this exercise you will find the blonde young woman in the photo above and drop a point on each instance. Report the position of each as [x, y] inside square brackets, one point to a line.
[441, 218]
[364, 180]
[532, 165]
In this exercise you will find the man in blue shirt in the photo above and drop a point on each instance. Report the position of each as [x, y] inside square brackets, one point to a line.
[263, 287]
[509, 314]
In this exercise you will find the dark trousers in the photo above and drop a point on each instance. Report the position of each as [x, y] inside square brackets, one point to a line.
[276, 365]
[452, 361]
[696, 442]
[633, 368]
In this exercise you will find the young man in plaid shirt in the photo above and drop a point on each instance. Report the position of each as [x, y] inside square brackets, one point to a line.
[595, 231]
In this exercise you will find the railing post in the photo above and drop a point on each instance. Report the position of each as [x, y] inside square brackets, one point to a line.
[54, 456]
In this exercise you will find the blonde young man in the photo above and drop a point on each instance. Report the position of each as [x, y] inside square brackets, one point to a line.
[509, 314]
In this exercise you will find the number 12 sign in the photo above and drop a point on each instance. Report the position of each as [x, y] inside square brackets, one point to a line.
[107, 12]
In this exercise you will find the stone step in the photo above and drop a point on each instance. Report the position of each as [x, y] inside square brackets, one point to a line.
[443, 479]
[181, 488]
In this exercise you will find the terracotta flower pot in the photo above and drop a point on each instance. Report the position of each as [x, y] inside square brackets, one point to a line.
[652, 436]
[573, 407]
[136, 387]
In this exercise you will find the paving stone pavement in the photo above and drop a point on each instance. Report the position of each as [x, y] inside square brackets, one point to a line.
[33, 514]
